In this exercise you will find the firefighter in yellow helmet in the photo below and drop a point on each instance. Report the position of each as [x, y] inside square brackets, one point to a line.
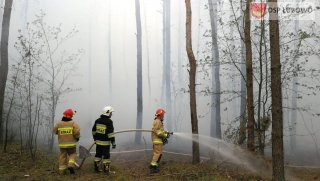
[68, 132]
[158, 135]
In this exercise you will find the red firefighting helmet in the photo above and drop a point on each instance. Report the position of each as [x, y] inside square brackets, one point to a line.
[68, 113]
[160, 112]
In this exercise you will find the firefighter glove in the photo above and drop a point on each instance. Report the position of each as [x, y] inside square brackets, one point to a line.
[164, 141]
[77, 139]
[166, 135]
[114, 146]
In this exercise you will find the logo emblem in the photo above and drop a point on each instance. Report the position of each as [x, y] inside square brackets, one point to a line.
[258, 10]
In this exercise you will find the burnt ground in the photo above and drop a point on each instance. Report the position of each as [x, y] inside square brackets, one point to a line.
[132, 166]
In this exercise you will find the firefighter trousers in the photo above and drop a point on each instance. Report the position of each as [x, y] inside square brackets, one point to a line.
[157, 152]
[102, 151]
[63, 161]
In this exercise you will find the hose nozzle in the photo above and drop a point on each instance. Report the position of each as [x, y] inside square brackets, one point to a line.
[168, 132]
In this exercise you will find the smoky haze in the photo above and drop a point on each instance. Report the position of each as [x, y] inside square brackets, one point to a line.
[91, 18]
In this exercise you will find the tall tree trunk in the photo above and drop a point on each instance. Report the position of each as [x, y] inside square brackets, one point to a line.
[30, 103]
[167, 65]
[109, 51]
[260, 125]
[215, 130]
[1, 12]
[179, 48]
[147, 43]
[233, 104]
[12, 98]
[89, 98]
[24, 17]
[192, 85]
[266, 90]
[139, 74]
[276, 99]
[250, 106]
[4, 58]
[162, 101]
[166, 79]
[243, 92]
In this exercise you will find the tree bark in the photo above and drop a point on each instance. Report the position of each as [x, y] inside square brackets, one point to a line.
[243, 93]
[250, 106]
[139, 74]
[167, 65]
[215, 130]
[276, 99]
[260, 122]
[192, 85]
[4, 58]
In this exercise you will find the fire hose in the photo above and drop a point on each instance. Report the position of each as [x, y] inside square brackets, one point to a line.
[121, 131]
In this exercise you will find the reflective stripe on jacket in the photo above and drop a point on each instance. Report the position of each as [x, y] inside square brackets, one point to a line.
[68, 132]
[67, 144]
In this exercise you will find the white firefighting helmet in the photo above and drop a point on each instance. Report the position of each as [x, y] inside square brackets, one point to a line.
[107, 110]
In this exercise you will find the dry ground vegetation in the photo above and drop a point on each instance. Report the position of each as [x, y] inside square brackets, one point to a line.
[125, 166]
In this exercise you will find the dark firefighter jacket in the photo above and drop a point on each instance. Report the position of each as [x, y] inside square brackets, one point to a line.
[68, 132]
[157, 132]
[102, 131]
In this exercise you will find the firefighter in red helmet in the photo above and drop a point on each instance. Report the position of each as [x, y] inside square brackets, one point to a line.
[68, 132]
[158, 135]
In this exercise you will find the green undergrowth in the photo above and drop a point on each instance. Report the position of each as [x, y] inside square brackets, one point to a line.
[129, 166]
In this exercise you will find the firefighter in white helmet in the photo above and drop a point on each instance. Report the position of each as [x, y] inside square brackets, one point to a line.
[68, 132]
[103, 135]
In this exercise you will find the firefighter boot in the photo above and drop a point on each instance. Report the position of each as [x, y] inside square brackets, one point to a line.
[71, 170]
[154, 169]
[106, 168]
[96, 166]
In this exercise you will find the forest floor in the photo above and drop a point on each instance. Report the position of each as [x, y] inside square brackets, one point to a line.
[129, 166]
